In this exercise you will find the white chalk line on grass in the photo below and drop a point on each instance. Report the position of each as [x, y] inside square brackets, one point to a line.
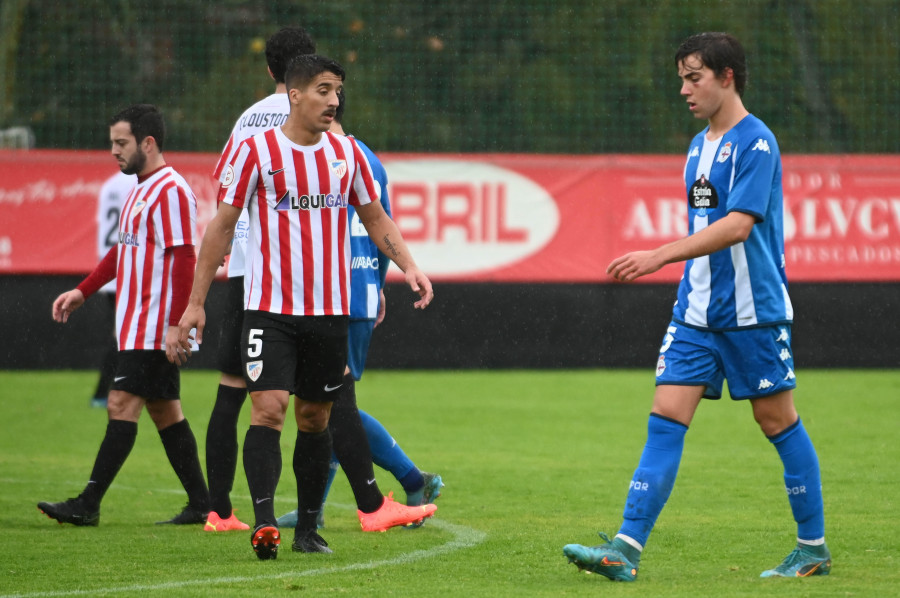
[463, 537]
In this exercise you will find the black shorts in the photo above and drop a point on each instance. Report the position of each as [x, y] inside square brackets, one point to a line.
[147, 374]
[228, 353]
[304, 355]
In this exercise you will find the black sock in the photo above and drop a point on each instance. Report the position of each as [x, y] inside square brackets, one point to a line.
[222, 447]
[312, 454]
[181, 449]
[115, 448]
[351, 447]
[107, 369]
[262, 464]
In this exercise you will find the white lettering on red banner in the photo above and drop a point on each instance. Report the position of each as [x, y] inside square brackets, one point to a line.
[500, 217]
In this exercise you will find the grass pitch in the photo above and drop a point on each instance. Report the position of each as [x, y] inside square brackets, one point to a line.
[531, 461]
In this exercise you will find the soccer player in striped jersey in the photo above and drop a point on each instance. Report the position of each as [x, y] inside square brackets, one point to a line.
[153, 265]
[221, 434]
[348, 423]
[350, 441]
[732, 318]
[296, 182]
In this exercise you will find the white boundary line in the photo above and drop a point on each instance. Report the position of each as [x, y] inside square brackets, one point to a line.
[463, 537]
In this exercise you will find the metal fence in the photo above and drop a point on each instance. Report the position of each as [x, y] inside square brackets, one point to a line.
[546, 76]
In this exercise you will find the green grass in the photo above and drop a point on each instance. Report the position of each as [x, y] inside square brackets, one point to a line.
[532, 461]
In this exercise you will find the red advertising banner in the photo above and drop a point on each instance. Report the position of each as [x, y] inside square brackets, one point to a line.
[500, 217]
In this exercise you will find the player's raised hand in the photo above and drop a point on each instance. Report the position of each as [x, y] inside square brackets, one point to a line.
[420, 284]
[66, 303]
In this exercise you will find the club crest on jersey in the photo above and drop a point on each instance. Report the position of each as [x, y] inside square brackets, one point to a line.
[338, 167]
[137, 207]
[724, 153]
[254, 369]
[703, 196]
[228, 176]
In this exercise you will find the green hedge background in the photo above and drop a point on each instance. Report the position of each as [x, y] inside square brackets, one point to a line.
[547, 76]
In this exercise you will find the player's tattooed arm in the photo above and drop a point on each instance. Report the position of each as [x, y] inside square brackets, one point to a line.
[392, 251]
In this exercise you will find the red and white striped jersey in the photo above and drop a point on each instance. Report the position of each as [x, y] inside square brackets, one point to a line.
[160, 212]
[298, 248]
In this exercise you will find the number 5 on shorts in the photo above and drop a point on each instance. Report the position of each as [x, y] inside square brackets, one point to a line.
[254, 348]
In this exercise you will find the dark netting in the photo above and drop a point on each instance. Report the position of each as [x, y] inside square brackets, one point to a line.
[548, 76]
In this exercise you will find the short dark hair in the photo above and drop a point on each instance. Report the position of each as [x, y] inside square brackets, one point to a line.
[145, 120]
[285, 44]
[342, 101]
[717, 51]
[306, 67]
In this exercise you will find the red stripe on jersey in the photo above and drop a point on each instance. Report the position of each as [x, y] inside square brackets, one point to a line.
[127, 255]
[224, 158]
[279, 182]
[147, 274]
[365, 174]
[305, 228]
[163, 202]
[263, 279]
[343, 269]
[247, 159]
[162, 320]
[324, 175]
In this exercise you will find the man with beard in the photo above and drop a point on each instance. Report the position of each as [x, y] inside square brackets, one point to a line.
[154, 268]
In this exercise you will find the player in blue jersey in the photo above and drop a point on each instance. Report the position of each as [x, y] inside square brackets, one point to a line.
[732, 319]
[367, 307]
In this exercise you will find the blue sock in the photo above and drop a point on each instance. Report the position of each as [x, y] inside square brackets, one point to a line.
[654, 478]
[386, 453]
[802, 480]
[333, 466]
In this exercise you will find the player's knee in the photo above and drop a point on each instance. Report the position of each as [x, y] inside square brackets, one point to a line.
[313, 417]
[165, 413]
[123, 406]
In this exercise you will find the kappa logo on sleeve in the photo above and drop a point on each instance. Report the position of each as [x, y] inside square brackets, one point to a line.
[762, 145]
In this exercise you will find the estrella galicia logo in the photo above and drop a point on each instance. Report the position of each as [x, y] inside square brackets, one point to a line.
[318, 201]
[703, 195]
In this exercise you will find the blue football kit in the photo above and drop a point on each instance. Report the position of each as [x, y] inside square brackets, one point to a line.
[732, 318]
[368, 270]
